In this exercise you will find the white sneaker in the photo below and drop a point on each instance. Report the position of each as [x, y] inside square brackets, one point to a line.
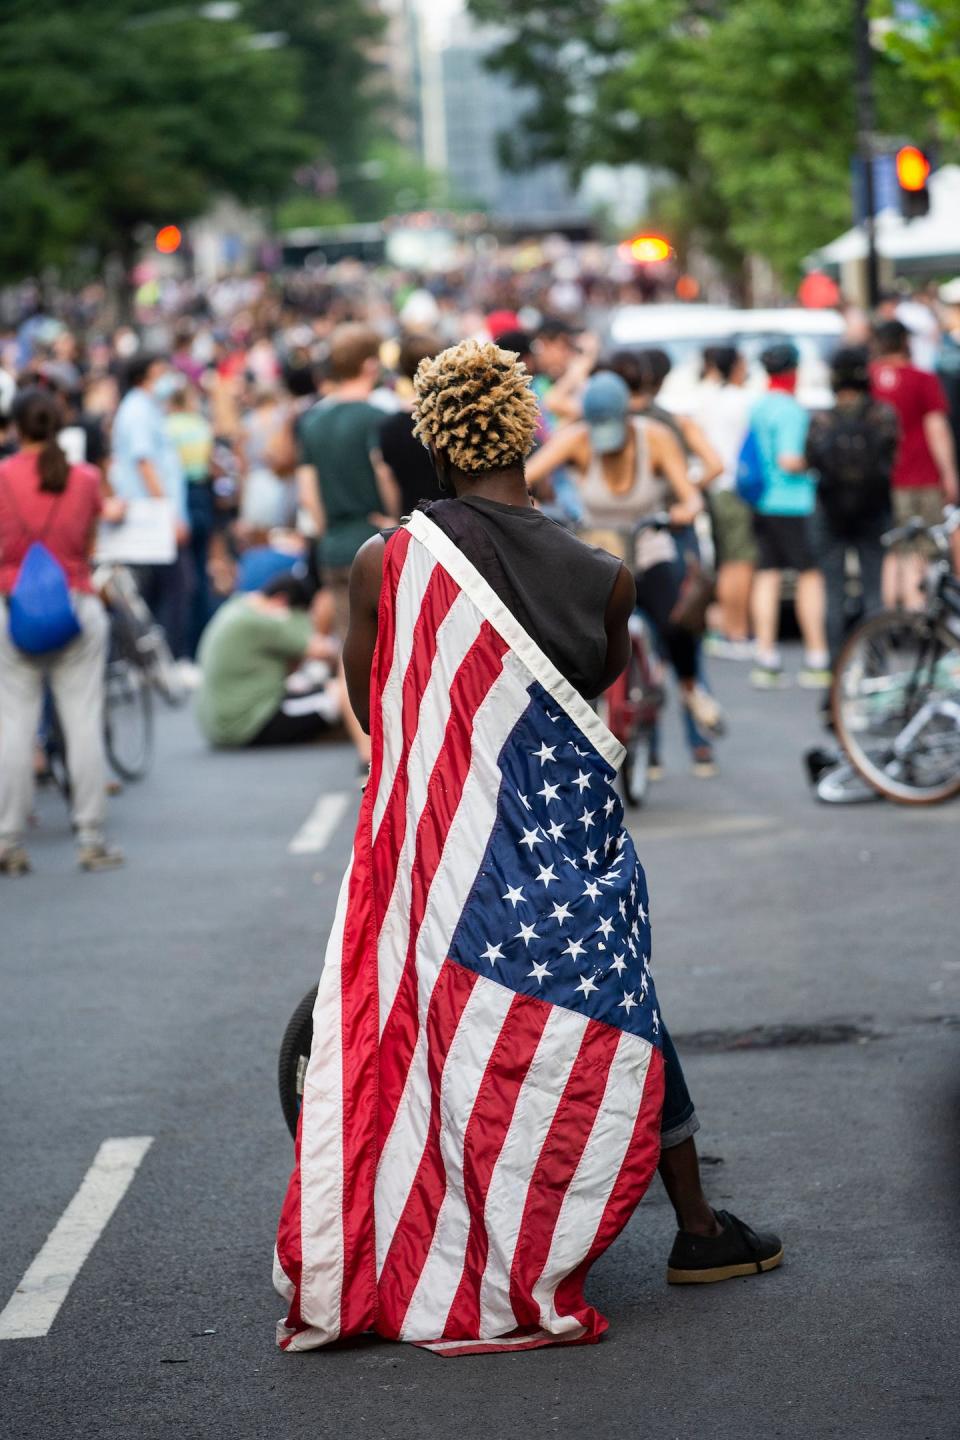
[705, 710]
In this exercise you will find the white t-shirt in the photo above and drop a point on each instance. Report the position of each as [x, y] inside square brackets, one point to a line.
[723, 413]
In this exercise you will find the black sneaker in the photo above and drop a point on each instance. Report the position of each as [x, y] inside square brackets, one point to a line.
[738, 1250]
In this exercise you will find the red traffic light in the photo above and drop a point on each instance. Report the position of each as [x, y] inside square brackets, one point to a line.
[168, 240]
[913, 168]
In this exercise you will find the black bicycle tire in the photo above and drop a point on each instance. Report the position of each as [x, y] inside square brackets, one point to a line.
[120, 768]
[637, 794]
[296, 1042]
[883, 619]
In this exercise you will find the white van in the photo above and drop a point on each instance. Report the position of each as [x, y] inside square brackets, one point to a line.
[684, 332]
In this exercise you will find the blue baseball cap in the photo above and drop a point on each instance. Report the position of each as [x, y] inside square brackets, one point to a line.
[606, 405]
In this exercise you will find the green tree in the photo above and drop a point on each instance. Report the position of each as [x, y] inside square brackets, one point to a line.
[930, 52]
[747, 105]
[115, 117]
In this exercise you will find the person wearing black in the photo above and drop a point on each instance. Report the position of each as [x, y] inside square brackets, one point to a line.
[851, 450]
[408, 459]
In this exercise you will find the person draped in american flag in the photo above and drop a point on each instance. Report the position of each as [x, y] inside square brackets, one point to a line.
[484, 1103]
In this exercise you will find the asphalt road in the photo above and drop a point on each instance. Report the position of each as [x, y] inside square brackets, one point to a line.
[150, 1002]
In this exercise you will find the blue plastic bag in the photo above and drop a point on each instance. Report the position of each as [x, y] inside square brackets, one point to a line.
[751, 471]
[41, 616]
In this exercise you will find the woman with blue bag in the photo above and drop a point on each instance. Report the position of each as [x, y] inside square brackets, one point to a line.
[53, 629]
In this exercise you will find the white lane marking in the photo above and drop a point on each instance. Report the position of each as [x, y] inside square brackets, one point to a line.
[318, 829]
[34, 1305]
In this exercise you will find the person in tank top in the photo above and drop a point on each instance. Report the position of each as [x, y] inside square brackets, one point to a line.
[576, 602]
[631, 469]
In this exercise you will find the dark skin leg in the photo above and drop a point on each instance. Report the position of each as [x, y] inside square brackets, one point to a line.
[680, 1173]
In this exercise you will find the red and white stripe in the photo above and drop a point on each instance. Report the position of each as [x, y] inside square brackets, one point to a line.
[464, 1152]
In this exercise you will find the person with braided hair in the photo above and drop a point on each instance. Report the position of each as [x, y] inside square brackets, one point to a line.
[476, 414]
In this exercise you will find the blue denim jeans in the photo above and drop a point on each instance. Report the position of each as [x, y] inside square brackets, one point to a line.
[679, 1119]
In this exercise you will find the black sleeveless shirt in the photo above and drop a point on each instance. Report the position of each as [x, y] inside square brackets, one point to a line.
[556, 586]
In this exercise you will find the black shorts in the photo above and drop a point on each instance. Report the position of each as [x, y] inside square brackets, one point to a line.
[783, 542]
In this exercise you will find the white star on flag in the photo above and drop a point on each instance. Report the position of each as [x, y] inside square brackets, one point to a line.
[582, 781]
[575, 949]
[555, 831]
[606, 928]
[656, 1022]
[643, 913]
[586, 986]
[629, 1001]
[549, 792]
[586, 819]
[526, 802]
[546, 876]
[515, 896]
[526, 933]
[560, 913]
[609, 808]
[493, 953]
[545, 754]
[619, 964]
[538, 972]
[592, 889]
[590, 858]
[531, 838]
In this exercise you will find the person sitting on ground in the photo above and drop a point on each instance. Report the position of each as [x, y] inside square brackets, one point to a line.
[246, 656]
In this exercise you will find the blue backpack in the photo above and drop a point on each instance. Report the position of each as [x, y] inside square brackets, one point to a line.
[751, 471]
[40, 612]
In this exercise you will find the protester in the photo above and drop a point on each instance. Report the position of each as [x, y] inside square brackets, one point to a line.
[247, 654]
[782, 528]
[925, 473]
[404, 456]
[350, 494]
[851, 451]
[723, 413]
[192, 436]
[630, 469]
[46, 502]
[145, 464]
[477, 415]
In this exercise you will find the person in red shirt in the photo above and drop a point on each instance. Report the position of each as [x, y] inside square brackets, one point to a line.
[925, 473]
[44, 498]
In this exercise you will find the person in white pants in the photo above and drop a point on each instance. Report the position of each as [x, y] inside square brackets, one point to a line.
[44, 499]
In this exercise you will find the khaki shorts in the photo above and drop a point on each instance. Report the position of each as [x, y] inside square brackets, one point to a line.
[924, 501]
[733, 535]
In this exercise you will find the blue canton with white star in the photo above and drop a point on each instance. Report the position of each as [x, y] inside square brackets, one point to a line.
[560, 909]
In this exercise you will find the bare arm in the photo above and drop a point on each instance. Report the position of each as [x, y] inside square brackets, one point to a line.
[563, 398]
[366, 578]
[564, 448]
[697, 443]
[620, 606]
[387, 489]
[151, 479]
[793, 464]
[667, 458]
[939, 437]
[308, 496]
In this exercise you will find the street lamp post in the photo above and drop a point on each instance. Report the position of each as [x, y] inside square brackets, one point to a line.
[866, 141]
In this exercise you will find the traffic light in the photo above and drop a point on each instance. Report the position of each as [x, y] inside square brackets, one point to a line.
[167, 240]
[913, 171]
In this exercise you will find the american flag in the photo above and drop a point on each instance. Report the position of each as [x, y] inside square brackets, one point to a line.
[482, 1103]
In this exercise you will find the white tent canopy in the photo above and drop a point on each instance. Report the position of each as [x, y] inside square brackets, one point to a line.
[934, 237]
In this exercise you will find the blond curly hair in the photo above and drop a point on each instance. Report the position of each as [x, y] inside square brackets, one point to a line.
[474, 403]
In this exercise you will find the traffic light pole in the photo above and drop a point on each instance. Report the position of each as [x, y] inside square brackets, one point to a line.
[866, 142]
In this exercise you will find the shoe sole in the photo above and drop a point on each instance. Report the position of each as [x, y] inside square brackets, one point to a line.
[722, 1272]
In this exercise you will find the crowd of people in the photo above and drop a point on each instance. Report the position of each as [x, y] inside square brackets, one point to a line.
[274, 425]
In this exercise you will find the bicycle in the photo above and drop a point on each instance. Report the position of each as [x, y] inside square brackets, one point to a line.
[118, 587]
[895, 698]
[127, 712]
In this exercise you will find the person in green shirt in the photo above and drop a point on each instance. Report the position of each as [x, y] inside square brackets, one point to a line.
[246, 654]
[346, 487]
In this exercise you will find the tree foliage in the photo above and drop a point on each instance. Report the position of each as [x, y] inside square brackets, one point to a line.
[930, 52]
[114, 118]
[747, 104]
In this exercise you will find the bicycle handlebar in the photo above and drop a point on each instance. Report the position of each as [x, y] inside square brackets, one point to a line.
[915, 527]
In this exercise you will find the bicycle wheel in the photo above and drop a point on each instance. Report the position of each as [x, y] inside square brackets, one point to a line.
[896, 707]
[157, 658]
[294, 1054]
[128, 719]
